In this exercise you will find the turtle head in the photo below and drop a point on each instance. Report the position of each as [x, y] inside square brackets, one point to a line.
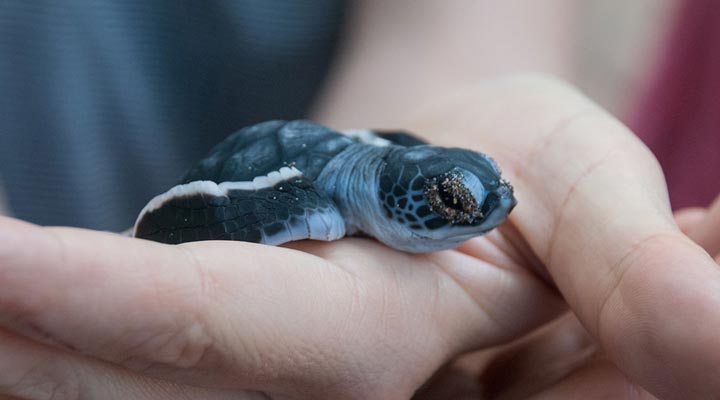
[436, 198]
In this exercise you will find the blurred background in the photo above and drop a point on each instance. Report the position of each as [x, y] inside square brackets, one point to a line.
[104, 104]
[618, 43]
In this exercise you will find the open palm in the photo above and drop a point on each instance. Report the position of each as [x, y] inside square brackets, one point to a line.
[95, 315]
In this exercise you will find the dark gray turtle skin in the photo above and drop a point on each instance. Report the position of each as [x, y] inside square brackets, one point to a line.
[280, 181]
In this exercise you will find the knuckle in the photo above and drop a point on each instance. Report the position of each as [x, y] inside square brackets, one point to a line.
[181, 344]
[185, 348]
[182, 333]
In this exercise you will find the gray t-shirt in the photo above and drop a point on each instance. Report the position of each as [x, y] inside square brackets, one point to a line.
[105, 103]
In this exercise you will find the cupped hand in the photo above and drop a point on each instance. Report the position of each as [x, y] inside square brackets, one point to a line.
[95, 315]
[104, 316]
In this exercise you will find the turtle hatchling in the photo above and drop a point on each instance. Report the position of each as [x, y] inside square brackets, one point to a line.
[280, 181]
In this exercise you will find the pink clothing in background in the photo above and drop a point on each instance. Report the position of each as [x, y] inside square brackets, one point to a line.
[679, 118]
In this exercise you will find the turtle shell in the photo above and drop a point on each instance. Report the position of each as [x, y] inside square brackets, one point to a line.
[256, 185]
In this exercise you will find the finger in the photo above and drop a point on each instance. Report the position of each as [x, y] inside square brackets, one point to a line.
[163, 310]
[689, 218]
[598, 379]
[593, 206]
[451, 383]
[239, 315]
[707, 233]
[29, 370]
[539, 360]
[504, 302]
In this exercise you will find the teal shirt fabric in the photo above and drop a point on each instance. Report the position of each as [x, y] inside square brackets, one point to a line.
[106, 103]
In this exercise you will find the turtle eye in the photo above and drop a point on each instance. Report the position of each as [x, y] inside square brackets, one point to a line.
[449, 196]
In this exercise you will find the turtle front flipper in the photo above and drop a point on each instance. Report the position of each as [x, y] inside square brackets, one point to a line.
[281, 207]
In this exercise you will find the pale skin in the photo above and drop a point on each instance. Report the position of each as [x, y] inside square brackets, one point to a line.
[97, 315]
[632, 299]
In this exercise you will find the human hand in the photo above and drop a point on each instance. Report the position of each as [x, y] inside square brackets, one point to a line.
[560, 360]
[594, 212]
[96, 315]
[102, 316]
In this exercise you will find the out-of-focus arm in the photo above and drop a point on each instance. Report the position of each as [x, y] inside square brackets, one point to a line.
[4, 208]
[399, 55]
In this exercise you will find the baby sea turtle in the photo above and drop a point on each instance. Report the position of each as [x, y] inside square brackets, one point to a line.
[281, 181]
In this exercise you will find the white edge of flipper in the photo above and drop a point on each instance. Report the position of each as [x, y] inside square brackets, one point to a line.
[215, 189]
